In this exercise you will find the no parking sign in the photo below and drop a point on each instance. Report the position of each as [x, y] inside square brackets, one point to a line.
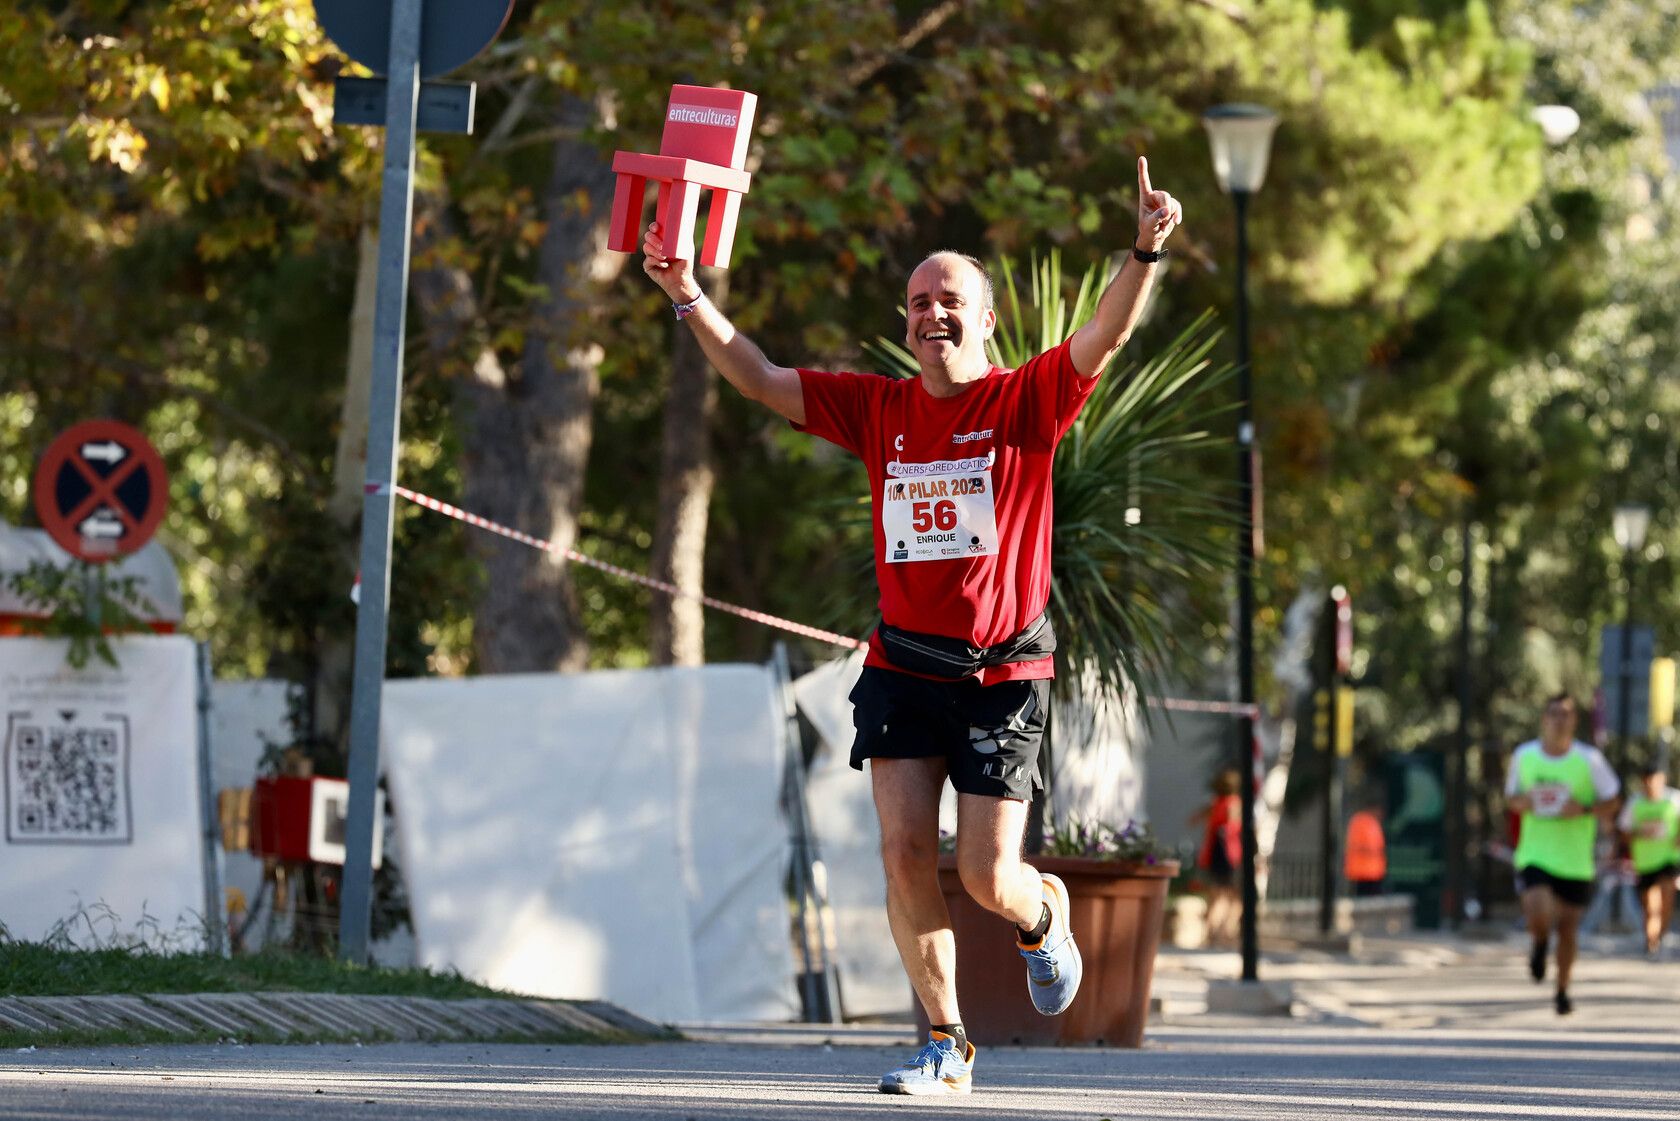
[101, 490]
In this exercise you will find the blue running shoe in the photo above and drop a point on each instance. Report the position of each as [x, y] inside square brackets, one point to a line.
[1053, 963]
[936, 1069]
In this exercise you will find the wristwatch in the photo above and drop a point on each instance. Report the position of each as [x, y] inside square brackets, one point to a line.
[1146, 257]
[685, 310]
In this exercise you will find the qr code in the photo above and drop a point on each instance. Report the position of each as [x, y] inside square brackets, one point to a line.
[67, 779]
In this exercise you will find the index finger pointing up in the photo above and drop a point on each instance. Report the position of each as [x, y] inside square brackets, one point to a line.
[1143, 176]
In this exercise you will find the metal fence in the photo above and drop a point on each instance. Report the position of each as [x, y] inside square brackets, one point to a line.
[1294, 875]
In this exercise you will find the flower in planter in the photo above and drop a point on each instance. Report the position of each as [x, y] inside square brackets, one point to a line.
[1132, 843]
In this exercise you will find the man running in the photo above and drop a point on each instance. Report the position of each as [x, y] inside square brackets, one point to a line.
[956, 683]
[1561, 787]
[1650, 823]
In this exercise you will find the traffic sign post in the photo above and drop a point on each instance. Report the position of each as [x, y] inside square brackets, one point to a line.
[101, 490]
[407, 41]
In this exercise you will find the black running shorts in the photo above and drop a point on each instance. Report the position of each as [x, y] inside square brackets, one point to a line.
[1655, 876]
[988, 735]
[1576, 893]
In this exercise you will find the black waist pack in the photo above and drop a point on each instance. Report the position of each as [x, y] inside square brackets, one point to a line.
[939, 656]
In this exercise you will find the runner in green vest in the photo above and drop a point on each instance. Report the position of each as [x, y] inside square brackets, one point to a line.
[1561, 787]
[1651, 825]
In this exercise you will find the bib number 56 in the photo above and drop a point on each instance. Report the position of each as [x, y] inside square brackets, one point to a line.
[925, 516]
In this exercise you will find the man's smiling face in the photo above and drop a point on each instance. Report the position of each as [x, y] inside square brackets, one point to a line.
[948, 321]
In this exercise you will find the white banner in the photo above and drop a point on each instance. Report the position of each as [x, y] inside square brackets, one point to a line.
[102, 833]
[611, 835]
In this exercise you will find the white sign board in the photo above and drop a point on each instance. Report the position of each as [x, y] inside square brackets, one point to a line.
[102, 833]
[329, 813]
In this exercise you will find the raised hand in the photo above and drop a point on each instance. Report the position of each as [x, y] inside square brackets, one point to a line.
[1158, 212]
[676, 277]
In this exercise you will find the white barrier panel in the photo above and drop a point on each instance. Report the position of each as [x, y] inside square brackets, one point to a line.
[102, 812]
[612, 835]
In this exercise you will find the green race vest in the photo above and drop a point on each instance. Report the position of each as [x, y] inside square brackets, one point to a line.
[1652, 853]
[1561, 846]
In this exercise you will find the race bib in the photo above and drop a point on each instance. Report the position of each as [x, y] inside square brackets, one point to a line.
[1549, 799]
[939, 517]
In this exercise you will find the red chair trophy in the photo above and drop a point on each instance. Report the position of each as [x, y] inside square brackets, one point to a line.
[704, 146]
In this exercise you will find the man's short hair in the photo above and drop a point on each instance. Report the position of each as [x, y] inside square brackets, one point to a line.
[988, 300]
[1562, 698]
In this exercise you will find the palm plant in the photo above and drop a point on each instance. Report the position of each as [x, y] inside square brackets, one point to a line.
[1141, 526]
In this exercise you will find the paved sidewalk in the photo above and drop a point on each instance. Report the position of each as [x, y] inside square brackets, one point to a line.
[1426, 981]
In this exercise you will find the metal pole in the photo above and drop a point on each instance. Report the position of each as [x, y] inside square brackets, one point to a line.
[396, 215]
[1624, 676]
[215, 912]
[810, 983]
[1245, 605]
[1324, 735]
[1458, 778]
[1624, 714]
[94, 589]
[1488, 800]
[821, 1001]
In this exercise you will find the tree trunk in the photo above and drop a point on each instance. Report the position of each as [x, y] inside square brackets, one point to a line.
[677, 625]
[330, 689]
[526, 438]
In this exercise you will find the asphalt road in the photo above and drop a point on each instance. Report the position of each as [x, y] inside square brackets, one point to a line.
[1261, 1070]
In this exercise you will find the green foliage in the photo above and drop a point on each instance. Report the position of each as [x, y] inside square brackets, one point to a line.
[40, 969]
[79, 602]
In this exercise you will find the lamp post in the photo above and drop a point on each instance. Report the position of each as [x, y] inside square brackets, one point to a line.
[1458, 771]
[1630, 524]
[1240, 136]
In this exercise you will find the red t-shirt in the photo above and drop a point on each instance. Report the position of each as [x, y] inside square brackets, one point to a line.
[1224, 827]
[961, 493]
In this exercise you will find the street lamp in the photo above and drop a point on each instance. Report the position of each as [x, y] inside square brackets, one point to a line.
[1557, 122]
[1629, 524]
[1240, 136]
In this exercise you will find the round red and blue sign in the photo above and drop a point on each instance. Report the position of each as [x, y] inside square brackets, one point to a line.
[101, 490]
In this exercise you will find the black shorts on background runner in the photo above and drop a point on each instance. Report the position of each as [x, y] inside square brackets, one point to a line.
[1576, 893]
[988, 735]
[1657, 876]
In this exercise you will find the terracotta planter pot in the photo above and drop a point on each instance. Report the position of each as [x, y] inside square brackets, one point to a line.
[1116, 911]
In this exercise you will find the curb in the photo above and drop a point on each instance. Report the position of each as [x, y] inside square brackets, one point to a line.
[307, 1017]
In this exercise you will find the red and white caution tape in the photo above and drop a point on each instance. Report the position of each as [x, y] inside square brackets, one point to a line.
[471, 519]
[1218, 708]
